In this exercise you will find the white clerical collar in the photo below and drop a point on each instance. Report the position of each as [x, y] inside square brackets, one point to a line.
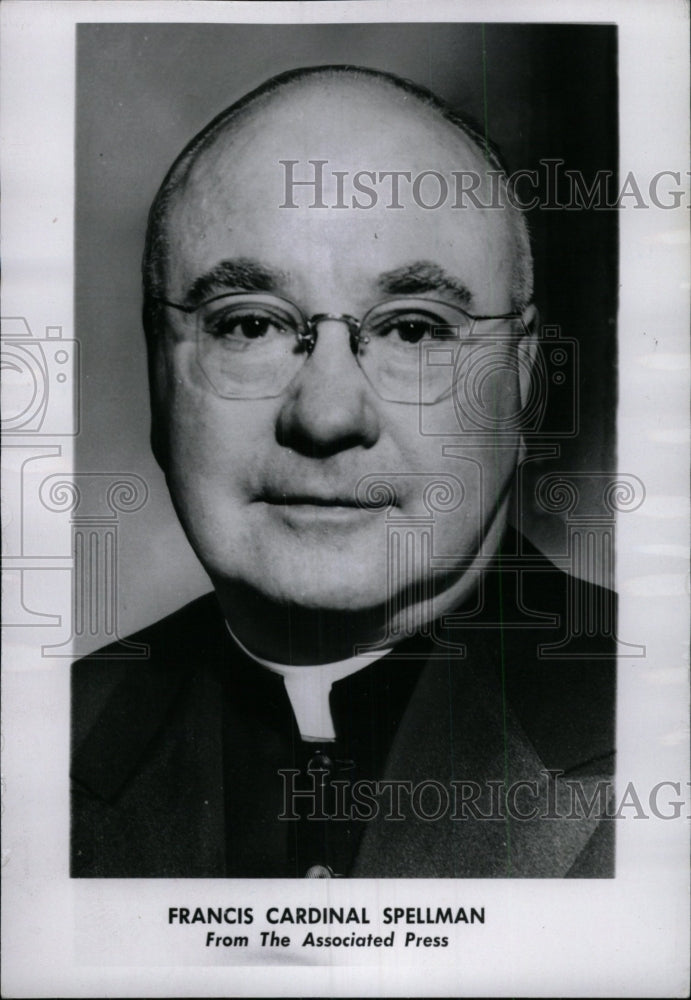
[308, 687]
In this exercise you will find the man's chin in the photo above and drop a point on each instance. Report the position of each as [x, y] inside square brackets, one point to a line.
[324, 587]
[327, 595]
[328, 568]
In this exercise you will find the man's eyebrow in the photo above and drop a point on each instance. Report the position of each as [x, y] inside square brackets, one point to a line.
[423, 276]
[242, 274]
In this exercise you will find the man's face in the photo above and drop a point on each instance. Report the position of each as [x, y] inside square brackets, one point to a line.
[266, 488]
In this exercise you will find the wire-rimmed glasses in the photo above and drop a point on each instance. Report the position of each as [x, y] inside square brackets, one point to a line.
[251, 345]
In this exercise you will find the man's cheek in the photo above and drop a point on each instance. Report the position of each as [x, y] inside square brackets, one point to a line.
[203, 436]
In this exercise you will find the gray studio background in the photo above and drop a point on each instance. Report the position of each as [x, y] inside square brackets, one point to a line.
[144, 90]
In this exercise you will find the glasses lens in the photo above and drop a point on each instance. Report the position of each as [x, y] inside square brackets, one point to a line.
[411, 349]
[247, 345]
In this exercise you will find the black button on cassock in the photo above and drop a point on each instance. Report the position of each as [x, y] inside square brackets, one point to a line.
[320, 762]
[319, 871]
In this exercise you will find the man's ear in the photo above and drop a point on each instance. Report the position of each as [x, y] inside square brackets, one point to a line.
[158, 436]
[527, 350]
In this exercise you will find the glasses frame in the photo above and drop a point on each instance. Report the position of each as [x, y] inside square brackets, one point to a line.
[307, 337]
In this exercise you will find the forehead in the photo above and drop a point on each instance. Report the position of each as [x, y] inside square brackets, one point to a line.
[243, 196]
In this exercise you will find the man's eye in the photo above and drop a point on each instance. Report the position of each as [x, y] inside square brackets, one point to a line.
[414, 329]
[231, 325]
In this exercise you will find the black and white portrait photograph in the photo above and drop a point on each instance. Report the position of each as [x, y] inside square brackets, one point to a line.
[384, 643]
[347, 528]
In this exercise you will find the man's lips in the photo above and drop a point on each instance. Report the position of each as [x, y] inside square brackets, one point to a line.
[340, 500]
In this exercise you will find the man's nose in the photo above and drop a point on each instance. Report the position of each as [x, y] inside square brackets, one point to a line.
[329, 406]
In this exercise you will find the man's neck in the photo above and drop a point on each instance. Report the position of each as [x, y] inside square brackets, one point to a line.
[292, 634]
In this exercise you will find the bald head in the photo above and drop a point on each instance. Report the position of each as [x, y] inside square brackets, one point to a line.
[320, 112]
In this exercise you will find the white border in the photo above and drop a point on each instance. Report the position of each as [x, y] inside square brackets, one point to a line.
[627, 937]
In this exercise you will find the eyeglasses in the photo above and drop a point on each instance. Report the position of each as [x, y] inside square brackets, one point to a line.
[251, 346]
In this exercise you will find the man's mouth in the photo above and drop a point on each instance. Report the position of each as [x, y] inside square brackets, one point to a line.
[301, 499]
[325, 501]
